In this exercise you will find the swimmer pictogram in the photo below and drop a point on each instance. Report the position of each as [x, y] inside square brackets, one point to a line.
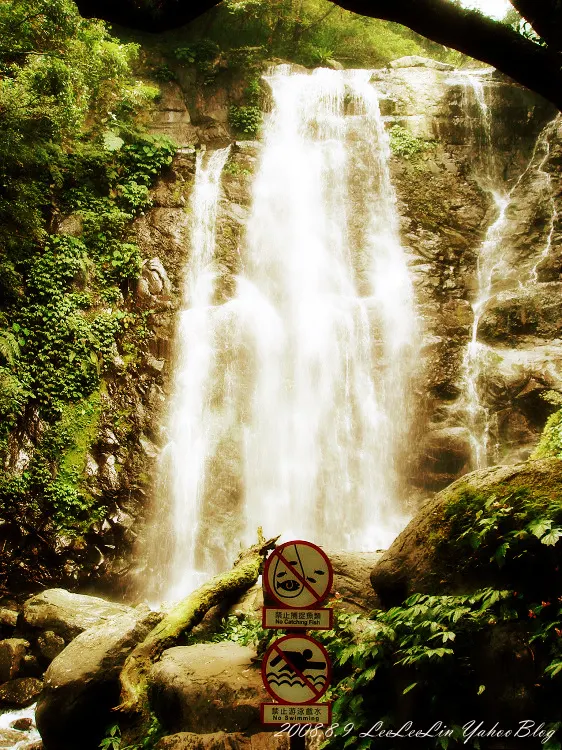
[296, 669]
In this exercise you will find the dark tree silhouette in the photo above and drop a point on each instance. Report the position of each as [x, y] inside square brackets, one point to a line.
[537, 66]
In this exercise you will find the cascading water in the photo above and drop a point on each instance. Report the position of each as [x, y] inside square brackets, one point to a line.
[29, 737]
[543, 145]
[182, 463]
[495, 270]
[330, 409]
[293, 400]
[489, 262]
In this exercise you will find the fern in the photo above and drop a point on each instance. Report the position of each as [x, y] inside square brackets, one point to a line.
[9, 347]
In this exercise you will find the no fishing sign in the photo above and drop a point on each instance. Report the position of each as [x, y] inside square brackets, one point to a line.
[298, 576]
[296, 669]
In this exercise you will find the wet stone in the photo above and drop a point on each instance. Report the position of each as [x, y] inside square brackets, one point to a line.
[23, 725]
[8, 617]
[9, 738]
[12, 653]
[50, 645]
[21, 692]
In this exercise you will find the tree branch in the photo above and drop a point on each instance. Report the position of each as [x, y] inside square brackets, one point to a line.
[536, 67]
[533, 66]
[318, 21]
[545, 17]
[181, 619]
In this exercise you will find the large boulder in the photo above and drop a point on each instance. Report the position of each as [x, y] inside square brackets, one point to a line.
[67, 614]
[223, 741]
[351, 580]
[422, 558]
[82, 682]
[208, 688]
[417, 61]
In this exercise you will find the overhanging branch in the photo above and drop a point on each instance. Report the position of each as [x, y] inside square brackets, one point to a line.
[536, 67]
[533, 66]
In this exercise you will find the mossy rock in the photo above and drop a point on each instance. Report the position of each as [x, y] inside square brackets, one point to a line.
[498, 527]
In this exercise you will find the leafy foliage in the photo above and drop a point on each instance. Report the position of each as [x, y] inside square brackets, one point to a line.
[424, 647]
[399, 665]
[246, 120]
[550, 443]
[114, 741]
[311, 32]
[69, 147]
[406, 145]
[243, 630]
[500, 528]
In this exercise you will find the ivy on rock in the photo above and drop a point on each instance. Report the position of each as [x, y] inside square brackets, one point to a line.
[75, 171]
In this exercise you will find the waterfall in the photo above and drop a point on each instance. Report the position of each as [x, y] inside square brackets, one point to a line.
[182, 465]
[543, 145]
[490, 259]
[293, 400]
[495, 270]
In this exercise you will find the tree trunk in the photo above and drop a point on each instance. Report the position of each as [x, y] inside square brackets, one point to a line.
[181, 619]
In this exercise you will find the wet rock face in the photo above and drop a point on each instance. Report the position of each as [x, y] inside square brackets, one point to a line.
[533, 312]
[445, 214]
[9, 738]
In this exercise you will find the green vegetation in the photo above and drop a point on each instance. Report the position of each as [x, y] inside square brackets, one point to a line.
[245, 120]
[114, 741]
[72, 157]
[406, 145]
[424, 647]
[399, 665]
[484, 528]
[203, 54]
[245, 631]
[309, 32]
[550, 443]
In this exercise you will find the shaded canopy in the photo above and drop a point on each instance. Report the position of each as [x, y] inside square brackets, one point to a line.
[536, 66]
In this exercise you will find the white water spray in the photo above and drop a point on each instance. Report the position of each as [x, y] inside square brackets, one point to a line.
[490, 260]
[182, 464]
[543, 145]
[494, 263]
[293, 400]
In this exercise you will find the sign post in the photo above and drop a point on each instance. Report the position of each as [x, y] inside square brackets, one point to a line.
[296, 669]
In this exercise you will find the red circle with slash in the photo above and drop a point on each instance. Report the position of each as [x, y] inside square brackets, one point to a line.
[298, 575]
[284, 665]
